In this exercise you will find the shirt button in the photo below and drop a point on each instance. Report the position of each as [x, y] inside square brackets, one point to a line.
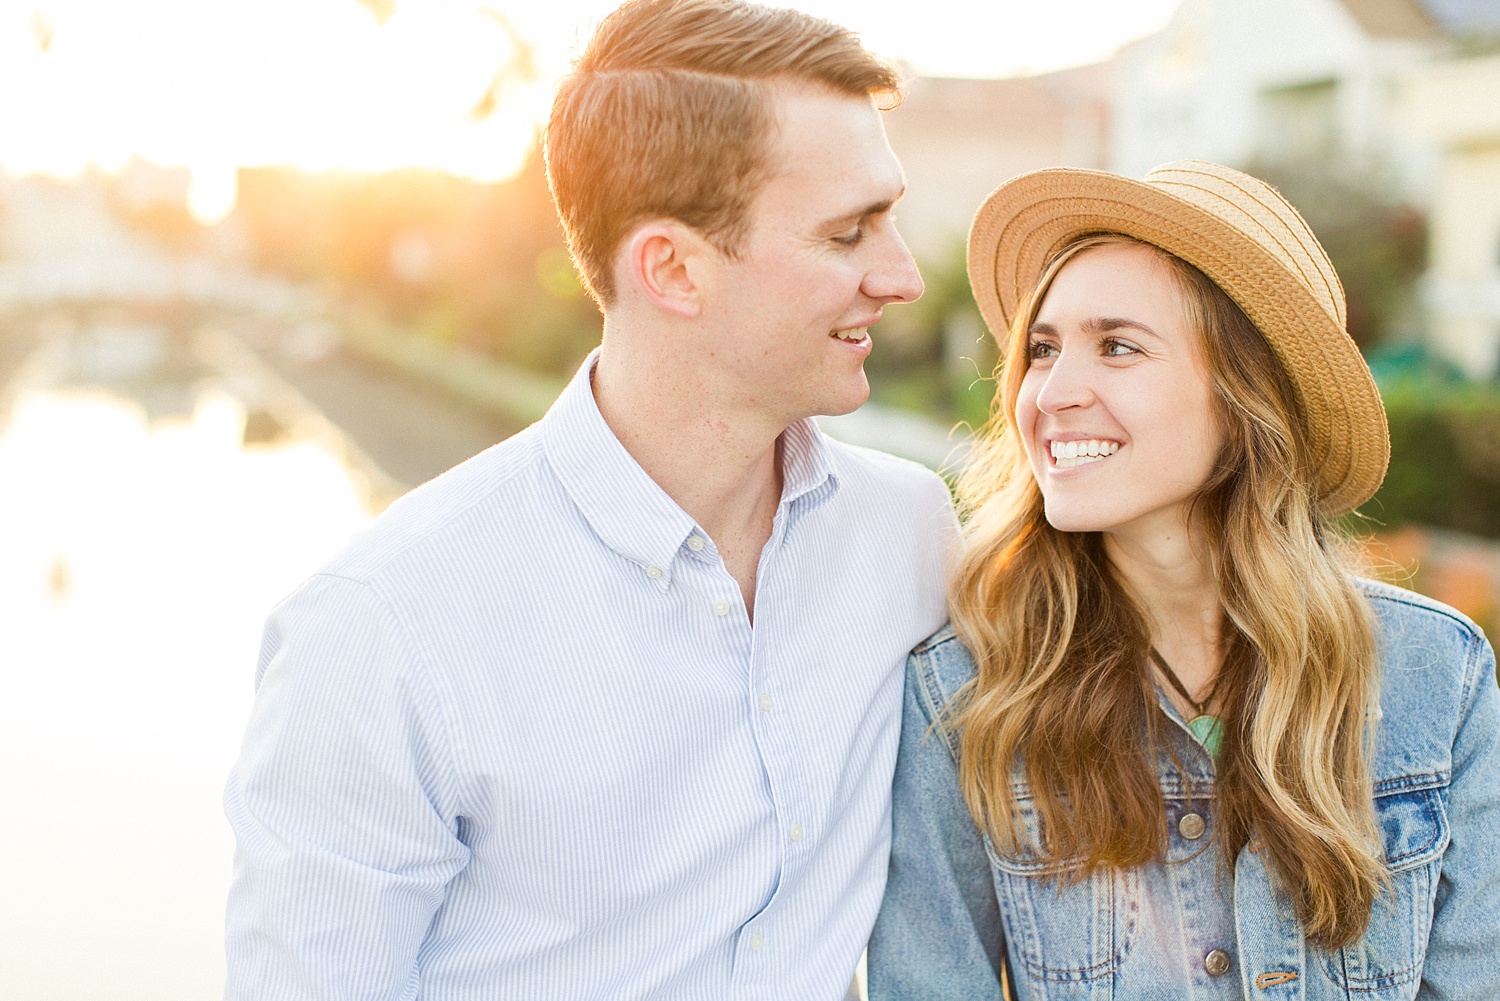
[1216, 963]
[654, 573]
[1191, 826]
[796, 832]
[695, 542]
[756, 942]
[765, 701]
[721, 607]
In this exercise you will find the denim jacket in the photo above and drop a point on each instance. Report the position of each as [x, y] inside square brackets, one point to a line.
[1147, 933]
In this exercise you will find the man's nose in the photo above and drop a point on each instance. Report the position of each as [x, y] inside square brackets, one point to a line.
[1067, 384]
[894, 277]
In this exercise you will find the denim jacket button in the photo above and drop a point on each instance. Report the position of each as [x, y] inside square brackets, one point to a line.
[1216, 962]
[1191, 826]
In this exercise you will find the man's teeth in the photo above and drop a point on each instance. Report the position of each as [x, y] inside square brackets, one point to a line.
[856, 335]
[1076, 453]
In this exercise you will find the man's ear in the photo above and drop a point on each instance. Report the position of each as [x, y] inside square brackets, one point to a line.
[668, 263]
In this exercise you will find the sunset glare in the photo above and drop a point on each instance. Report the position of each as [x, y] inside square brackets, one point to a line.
[456, 85]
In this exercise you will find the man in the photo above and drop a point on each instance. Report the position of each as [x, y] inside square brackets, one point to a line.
[611, 710]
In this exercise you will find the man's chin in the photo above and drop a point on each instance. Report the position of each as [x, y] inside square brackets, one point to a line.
[847, 402]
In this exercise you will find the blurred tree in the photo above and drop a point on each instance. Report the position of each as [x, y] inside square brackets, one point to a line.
[480, 266]
[1377, 242]
[517, 68]
[934, 355]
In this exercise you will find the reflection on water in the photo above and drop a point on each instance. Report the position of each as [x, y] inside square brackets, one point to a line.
[156, 498]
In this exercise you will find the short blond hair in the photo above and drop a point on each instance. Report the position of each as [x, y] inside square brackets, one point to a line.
[666, 115]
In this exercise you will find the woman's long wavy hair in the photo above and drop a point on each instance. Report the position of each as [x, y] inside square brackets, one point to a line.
[1063, 698]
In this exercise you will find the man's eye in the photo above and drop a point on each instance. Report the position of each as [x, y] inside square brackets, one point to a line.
[851, 238]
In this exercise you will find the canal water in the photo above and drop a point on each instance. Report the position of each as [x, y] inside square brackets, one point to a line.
[159, 491]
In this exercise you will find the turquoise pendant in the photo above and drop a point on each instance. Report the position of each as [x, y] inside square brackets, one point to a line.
[1209, 731]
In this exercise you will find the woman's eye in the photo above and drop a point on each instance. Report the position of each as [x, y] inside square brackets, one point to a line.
[1116, 349]
[1041, 349]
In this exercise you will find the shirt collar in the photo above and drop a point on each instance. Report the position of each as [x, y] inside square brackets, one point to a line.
[805, 467]
[625, 507]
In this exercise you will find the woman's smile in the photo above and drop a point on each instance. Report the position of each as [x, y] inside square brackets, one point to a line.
[1078, 452]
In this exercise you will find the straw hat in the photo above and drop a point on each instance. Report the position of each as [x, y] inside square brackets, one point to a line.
[1240, 233]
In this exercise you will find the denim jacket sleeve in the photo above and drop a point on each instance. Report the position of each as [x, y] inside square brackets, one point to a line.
[1463, 954]
[938, 935]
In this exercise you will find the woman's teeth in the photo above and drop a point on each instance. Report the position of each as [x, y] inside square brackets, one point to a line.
[1076, 453]
[854, 336]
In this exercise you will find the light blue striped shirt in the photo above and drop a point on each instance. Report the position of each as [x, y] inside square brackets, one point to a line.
[521, 741]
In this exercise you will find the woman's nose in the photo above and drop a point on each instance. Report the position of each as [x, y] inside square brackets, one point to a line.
[1068, 384]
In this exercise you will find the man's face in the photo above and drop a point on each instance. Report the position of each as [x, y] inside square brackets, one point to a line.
[789, 314]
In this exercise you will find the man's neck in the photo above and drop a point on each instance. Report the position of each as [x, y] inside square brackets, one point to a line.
[722, 466]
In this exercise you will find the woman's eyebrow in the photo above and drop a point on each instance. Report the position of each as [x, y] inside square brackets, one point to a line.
[1104, 324]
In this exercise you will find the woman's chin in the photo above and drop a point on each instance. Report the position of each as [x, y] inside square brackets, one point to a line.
[1069, 519]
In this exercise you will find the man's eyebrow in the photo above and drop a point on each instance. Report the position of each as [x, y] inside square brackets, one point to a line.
[874, 208]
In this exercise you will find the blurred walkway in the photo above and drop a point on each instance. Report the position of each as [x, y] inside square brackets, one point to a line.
[411, 430]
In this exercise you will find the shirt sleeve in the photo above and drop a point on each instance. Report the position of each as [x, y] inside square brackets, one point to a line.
[341, 804]
[1460, 961]
[938, 934]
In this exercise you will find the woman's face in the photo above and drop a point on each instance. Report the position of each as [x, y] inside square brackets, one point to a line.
[1115, 410]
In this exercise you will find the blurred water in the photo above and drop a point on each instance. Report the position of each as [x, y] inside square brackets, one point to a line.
[153, 506]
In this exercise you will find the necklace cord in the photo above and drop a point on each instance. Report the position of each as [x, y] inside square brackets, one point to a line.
[1161, 662]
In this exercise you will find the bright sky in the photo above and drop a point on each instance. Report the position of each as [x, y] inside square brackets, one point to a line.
[215, 84]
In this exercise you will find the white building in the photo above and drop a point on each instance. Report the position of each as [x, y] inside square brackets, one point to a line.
[1244, 81]
[1456, 103]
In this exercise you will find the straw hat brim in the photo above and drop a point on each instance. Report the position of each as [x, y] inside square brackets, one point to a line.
[1026, 221]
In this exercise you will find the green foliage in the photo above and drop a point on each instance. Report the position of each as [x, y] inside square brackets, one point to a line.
[933, 355]
[1445, 458]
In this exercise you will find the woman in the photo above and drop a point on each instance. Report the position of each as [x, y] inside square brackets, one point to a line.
[1170, 745]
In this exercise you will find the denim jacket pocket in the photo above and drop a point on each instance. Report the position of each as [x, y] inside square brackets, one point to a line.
[1387, 961]
[1069, 933]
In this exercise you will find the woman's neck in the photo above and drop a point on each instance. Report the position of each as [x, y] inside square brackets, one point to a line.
[1174, 584]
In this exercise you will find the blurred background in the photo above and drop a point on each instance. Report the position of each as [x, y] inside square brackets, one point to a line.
[264, 266]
